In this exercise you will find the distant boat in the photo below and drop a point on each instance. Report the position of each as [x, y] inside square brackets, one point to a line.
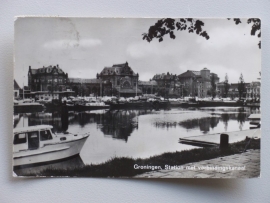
[140, 105]
[255, 121]
[88, 106]
[38, 145]
[27, 107]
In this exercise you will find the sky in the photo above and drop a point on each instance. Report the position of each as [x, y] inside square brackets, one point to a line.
[82, 47]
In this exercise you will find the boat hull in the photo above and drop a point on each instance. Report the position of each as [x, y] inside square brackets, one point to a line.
[87, 108]
[28, 108]
[141, 105]
[48, 153]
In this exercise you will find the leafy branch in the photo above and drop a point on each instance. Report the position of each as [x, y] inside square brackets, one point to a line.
[256, 26]
[167, 26]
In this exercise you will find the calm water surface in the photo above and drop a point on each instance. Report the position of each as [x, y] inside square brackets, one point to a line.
[140, 133]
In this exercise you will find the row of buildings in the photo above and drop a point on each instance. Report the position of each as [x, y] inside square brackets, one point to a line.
[120, 80]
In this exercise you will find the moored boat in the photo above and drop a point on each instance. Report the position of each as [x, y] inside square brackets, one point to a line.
[28, 107]
[38, 145]
[88, 106]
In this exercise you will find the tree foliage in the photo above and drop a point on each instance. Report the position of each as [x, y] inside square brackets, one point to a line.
[226, 85]
[213, 86]
[255, 29]
[241, 86]
[167, 26]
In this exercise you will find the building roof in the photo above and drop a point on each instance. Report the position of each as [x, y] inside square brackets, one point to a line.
[197, 73]
[164, 76]
[150, 83]
[47, 69]
[34, 71]
[235, 85]
[120, 65]
[16, 86]
[118, 69]
[189, 74]
[84, 80]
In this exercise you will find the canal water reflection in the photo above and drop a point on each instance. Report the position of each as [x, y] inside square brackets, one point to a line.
[139, 133]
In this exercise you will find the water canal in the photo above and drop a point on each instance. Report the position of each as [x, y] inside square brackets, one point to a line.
[139, 133]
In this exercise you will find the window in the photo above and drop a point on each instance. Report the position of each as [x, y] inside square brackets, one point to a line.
[45, 135]
[19, 138]
[33, 140]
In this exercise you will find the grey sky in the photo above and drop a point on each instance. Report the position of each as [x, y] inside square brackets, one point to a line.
[84, 46]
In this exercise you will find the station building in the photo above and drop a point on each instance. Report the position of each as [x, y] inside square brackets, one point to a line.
[119, 80]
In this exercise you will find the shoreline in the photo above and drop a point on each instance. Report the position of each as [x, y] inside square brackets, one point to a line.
[125, 167]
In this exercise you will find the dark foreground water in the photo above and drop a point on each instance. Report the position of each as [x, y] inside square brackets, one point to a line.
[140, 133]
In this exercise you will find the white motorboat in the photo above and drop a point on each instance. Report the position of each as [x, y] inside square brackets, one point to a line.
[37, 145]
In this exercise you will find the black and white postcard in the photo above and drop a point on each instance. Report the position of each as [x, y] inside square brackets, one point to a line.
[137, 97]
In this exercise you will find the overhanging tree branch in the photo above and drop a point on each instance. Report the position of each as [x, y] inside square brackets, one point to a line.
[167, 26]
[256, 26]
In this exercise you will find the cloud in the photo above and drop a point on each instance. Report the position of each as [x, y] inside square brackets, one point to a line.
[144, 49]
[65, 43]
[90, 42]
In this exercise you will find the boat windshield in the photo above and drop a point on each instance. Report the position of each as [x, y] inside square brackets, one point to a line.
[45, 135]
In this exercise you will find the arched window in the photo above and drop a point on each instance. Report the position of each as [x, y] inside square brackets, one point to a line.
[126, 84]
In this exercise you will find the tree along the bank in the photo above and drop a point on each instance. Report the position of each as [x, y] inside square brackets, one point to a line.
[226, 86]
[241, 86]
[213, 87]
[167, 26]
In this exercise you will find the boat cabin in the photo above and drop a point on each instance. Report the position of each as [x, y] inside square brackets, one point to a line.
[32, 137]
